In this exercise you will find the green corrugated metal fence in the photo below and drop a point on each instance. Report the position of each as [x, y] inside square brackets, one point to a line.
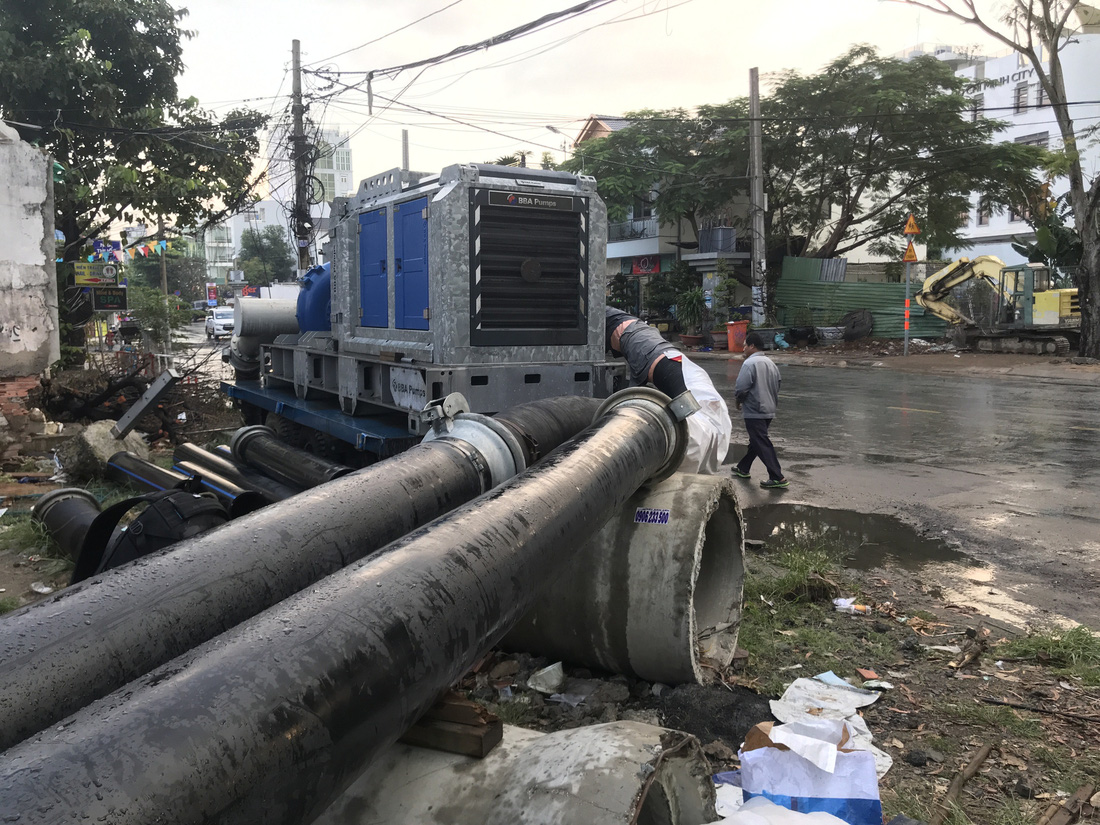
[802, 299]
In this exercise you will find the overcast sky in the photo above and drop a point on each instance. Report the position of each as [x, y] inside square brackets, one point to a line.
[628, 55]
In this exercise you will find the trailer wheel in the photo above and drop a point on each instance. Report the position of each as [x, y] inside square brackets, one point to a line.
[324, 445]
[251, 415]
[286, 430]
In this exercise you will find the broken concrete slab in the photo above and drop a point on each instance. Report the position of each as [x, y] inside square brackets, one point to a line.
[85, 456]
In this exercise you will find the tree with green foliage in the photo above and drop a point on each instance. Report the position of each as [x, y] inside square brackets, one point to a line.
[1038, 31]
[849, 153]
[265, 256]
[96, 82]
[186, 273]
[158, 314]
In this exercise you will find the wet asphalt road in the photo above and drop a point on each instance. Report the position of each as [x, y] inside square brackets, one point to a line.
[1007, 470]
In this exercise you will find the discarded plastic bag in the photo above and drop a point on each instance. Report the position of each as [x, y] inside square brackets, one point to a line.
[827, 696]
[809, 767]
[761, 811]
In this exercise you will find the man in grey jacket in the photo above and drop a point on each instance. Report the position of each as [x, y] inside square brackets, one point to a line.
[757, 390]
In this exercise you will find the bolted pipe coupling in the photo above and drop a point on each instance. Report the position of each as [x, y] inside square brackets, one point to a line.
[494, 442]
[660, 407]
[683, 405]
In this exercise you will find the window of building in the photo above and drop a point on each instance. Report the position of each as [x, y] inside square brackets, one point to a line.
[983, 215]
[1020, 100]
[964, 218]
[976, 106]
[643, 209]
[1041, 98]
[1040, 139]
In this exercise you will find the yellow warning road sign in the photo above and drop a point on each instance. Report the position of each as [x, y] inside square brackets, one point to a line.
[911, 227]
[910, 255]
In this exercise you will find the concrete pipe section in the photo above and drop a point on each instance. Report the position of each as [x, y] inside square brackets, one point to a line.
[622, 773]
[272, 720]
[656, 593]
[79, 645]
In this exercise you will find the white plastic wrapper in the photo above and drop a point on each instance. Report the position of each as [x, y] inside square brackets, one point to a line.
[710, 429]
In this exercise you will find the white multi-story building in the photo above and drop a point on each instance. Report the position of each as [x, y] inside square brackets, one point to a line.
[1018, 99]
[331, 177]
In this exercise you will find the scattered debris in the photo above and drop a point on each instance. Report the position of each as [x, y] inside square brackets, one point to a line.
[549, 680]
[961, 778]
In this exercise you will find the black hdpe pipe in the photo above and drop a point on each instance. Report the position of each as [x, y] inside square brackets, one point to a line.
[127, 468]
[237, 500]
[541, 426]
[62, 653]
[239, 474]
[67, 514]
[276, 717]
[259, 447]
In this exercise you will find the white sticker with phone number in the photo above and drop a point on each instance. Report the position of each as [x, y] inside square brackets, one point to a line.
[648, 515]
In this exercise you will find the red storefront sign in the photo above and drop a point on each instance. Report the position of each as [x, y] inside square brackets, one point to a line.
[646, 265]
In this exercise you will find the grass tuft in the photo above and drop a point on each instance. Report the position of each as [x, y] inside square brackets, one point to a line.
[1073, 652]
[8, 604]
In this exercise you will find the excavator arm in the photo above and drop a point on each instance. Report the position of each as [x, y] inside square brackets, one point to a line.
[933, 293]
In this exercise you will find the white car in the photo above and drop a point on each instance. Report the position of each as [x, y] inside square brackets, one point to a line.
[219, 322]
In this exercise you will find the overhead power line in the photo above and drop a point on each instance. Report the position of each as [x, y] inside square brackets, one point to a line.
[496, 40]
[387, 34]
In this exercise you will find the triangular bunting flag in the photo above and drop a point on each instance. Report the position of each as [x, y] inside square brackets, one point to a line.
[132, 252]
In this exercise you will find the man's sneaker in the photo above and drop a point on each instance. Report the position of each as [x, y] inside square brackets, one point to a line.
[775, 484]
[738, 473]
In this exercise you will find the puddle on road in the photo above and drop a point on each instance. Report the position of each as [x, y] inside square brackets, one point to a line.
[875, 540]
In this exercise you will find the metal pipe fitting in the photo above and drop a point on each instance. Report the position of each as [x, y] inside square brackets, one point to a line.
[264, 318]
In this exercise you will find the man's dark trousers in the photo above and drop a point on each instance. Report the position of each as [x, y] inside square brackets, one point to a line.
[760, 446]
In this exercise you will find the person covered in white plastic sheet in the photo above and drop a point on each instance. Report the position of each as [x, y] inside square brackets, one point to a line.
[655, 361]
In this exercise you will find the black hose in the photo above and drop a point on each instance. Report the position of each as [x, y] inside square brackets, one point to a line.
[274, 719]
[259, 447]
[543, 425]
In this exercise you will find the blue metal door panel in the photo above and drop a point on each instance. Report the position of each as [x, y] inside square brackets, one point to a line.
[374, 304]
[410, 250]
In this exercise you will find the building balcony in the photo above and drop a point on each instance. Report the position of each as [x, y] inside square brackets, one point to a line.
[633, 230]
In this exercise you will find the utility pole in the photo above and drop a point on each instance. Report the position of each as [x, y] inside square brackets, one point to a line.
[302, 220]
[405, 149]
[756, 203]
[163, 257]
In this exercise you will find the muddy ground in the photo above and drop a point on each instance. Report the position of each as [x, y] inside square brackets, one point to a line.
[933, 720]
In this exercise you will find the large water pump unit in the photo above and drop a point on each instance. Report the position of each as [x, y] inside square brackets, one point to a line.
[483, 280]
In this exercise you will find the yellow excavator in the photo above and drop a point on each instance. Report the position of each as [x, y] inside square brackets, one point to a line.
[1030, 316]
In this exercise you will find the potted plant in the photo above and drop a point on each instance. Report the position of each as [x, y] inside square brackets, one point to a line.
[691, 307]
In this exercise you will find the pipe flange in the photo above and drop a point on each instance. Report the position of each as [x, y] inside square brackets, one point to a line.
[506, 435]
[241, 438]
[43, 505]
[496, 446]
[653, 400]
